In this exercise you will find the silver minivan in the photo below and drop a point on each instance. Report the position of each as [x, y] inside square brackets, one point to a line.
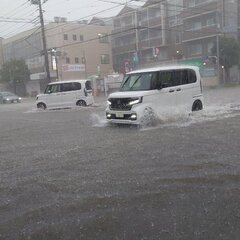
[66, 94]
[151, 92]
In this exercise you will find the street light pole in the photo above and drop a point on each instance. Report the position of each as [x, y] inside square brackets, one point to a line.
[218, 58]
[54, 53]
[45, 52]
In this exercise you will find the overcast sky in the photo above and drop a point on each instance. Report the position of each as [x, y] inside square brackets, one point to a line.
[22, 11]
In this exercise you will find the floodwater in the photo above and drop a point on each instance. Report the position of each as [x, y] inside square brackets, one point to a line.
[218, 104]
[63, 177]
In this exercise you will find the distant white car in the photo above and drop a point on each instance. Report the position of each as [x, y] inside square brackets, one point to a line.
[145, 93]
[8, 97]
[66, 94]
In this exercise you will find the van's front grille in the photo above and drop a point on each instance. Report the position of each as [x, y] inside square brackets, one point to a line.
[120, 104]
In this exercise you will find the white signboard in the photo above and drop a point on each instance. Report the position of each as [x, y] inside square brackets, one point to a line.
[73, 67]
[35, 62]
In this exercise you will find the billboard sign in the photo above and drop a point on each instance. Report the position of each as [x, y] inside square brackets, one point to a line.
[73, 67]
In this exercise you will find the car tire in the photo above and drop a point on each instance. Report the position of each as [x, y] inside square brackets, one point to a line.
[197, 106]
[41, 106]
[81, 103]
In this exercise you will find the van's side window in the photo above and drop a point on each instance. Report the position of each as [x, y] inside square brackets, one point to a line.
[182, 76]
[65, 87]
[76, 86]
[177, 77]
[53, 88]
[169, 79]
[155, 81]
[88, 85]
[165, 79]
[191, 76]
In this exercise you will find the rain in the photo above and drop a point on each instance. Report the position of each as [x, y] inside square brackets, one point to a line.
[94, 140]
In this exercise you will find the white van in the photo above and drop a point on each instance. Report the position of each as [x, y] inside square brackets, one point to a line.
[145, 93]
[66, 94]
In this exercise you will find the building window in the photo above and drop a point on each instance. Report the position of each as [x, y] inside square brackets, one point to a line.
[163, 54]
[74, 37]
[81, 38]
[76, 60]
[211, 21]
[178, 38]
[67, 60]
[105, 59]
[196, 49]
[210, 46]
[194, 26]
[117, 23]
[103, 38]
[65, 37]
[143, 35]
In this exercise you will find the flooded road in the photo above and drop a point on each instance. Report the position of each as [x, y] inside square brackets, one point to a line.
[65, 174]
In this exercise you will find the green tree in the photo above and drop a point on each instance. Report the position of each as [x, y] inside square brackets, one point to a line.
[229, 53]
[15, 72]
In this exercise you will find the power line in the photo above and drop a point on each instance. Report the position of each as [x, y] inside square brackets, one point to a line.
[17, 8]
[91, 15]
[133, 11]
[7, 28]
[199, 32]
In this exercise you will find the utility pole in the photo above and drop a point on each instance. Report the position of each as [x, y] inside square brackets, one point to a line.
[45, 52]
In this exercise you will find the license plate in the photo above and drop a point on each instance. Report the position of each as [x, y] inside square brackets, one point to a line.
[14, 101]
[119, 115]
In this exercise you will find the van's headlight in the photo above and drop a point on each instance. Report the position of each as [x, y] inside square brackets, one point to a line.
[134, 101]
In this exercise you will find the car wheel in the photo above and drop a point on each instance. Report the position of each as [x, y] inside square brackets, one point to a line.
[81, 103]
[41, 106]
[197, 106]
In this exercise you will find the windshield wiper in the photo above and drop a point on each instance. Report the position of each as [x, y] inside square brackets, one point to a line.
[135, 82]
[125, 82]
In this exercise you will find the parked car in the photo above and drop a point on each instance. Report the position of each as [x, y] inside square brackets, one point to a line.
[8, 97]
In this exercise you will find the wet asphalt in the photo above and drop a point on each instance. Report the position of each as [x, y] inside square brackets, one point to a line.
[65, 174]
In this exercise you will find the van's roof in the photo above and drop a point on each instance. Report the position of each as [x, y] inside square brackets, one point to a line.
[68, 81]
[162, 68]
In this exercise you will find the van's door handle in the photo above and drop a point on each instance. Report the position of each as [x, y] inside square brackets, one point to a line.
[171, 90]
[179, 89]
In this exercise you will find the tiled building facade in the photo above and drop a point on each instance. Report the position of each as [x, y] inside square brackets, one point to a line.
[172, 31]
[76, 51]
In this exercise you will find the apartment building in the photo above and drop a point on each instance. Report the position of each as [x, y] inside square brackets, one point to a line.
[76, 51]
[137, 36]
[204, 21]
[182, 31]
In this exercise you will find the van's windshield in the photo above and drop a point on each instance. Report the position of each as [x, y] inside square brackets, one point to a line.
[137, 82]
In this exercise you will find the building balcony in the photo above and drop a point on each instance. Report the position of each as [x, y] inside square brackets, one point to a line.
[151, 22]
[149, 43]
[123, 31]
[122, 49]
[200, 33]
[200, 10]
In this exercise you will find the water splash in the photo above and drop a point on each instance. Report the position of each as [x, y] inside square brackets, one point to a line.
[185, 119]
[98, 121]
